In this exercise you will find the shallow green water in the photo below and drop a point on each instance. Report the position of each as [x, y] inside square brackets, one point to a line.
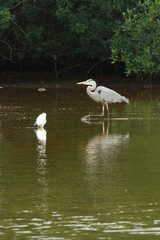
[79, 180]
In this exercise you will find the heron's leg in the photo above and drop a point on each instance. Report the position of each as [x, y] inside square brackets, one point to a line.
[91, 116]
[107, 109]
[103, 128]
[107, 132]
[102, 110]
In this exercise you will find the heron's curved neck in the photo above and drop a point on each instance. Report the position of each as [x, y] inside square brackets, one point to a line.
[90, 90]
[92, 87]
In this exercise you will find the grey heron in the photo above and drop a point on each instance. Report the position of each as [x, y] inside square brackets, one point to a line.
[102, 95]
[41, 120]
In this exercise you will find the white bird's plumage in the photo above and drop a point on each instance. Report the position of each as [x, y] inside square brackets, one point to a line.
[102, 94]
[41, 120]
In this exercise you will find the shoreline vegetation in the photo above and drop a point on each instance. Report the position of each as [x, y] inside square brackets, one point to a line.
[47, 78]
[65, 38]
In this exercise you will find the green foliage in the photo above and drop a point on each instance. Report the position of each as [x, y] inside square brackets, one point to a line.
[136, 40]
[89, 25]
[65, 33]
[5, 18]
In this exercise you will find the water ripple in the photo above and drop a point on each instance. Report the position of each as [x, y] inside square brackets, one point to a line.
[103, 224]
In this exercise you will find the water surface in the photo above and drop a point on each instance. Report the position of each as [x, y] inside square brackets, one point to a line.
[75, 179]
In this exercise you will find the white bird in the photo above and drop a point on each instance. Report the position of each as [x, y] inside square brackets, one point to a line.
[102, 95]
[41, 120]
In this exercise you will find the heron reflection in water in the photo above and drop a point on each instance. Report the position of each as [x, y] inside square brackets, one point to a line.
[105, 146]
[102, 95]
[104, 153]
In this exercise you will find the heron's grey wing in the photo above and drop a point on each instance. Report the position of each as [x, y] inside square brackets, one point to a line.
[110, 96]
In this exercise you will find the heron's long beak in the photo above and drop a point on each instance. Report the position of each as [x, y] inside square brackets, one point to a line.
[82, 83]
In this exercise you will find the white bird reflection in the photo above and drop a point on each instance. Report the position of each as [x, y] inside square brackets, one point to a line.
[41, 135]
[42, 167]
[41, 149]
